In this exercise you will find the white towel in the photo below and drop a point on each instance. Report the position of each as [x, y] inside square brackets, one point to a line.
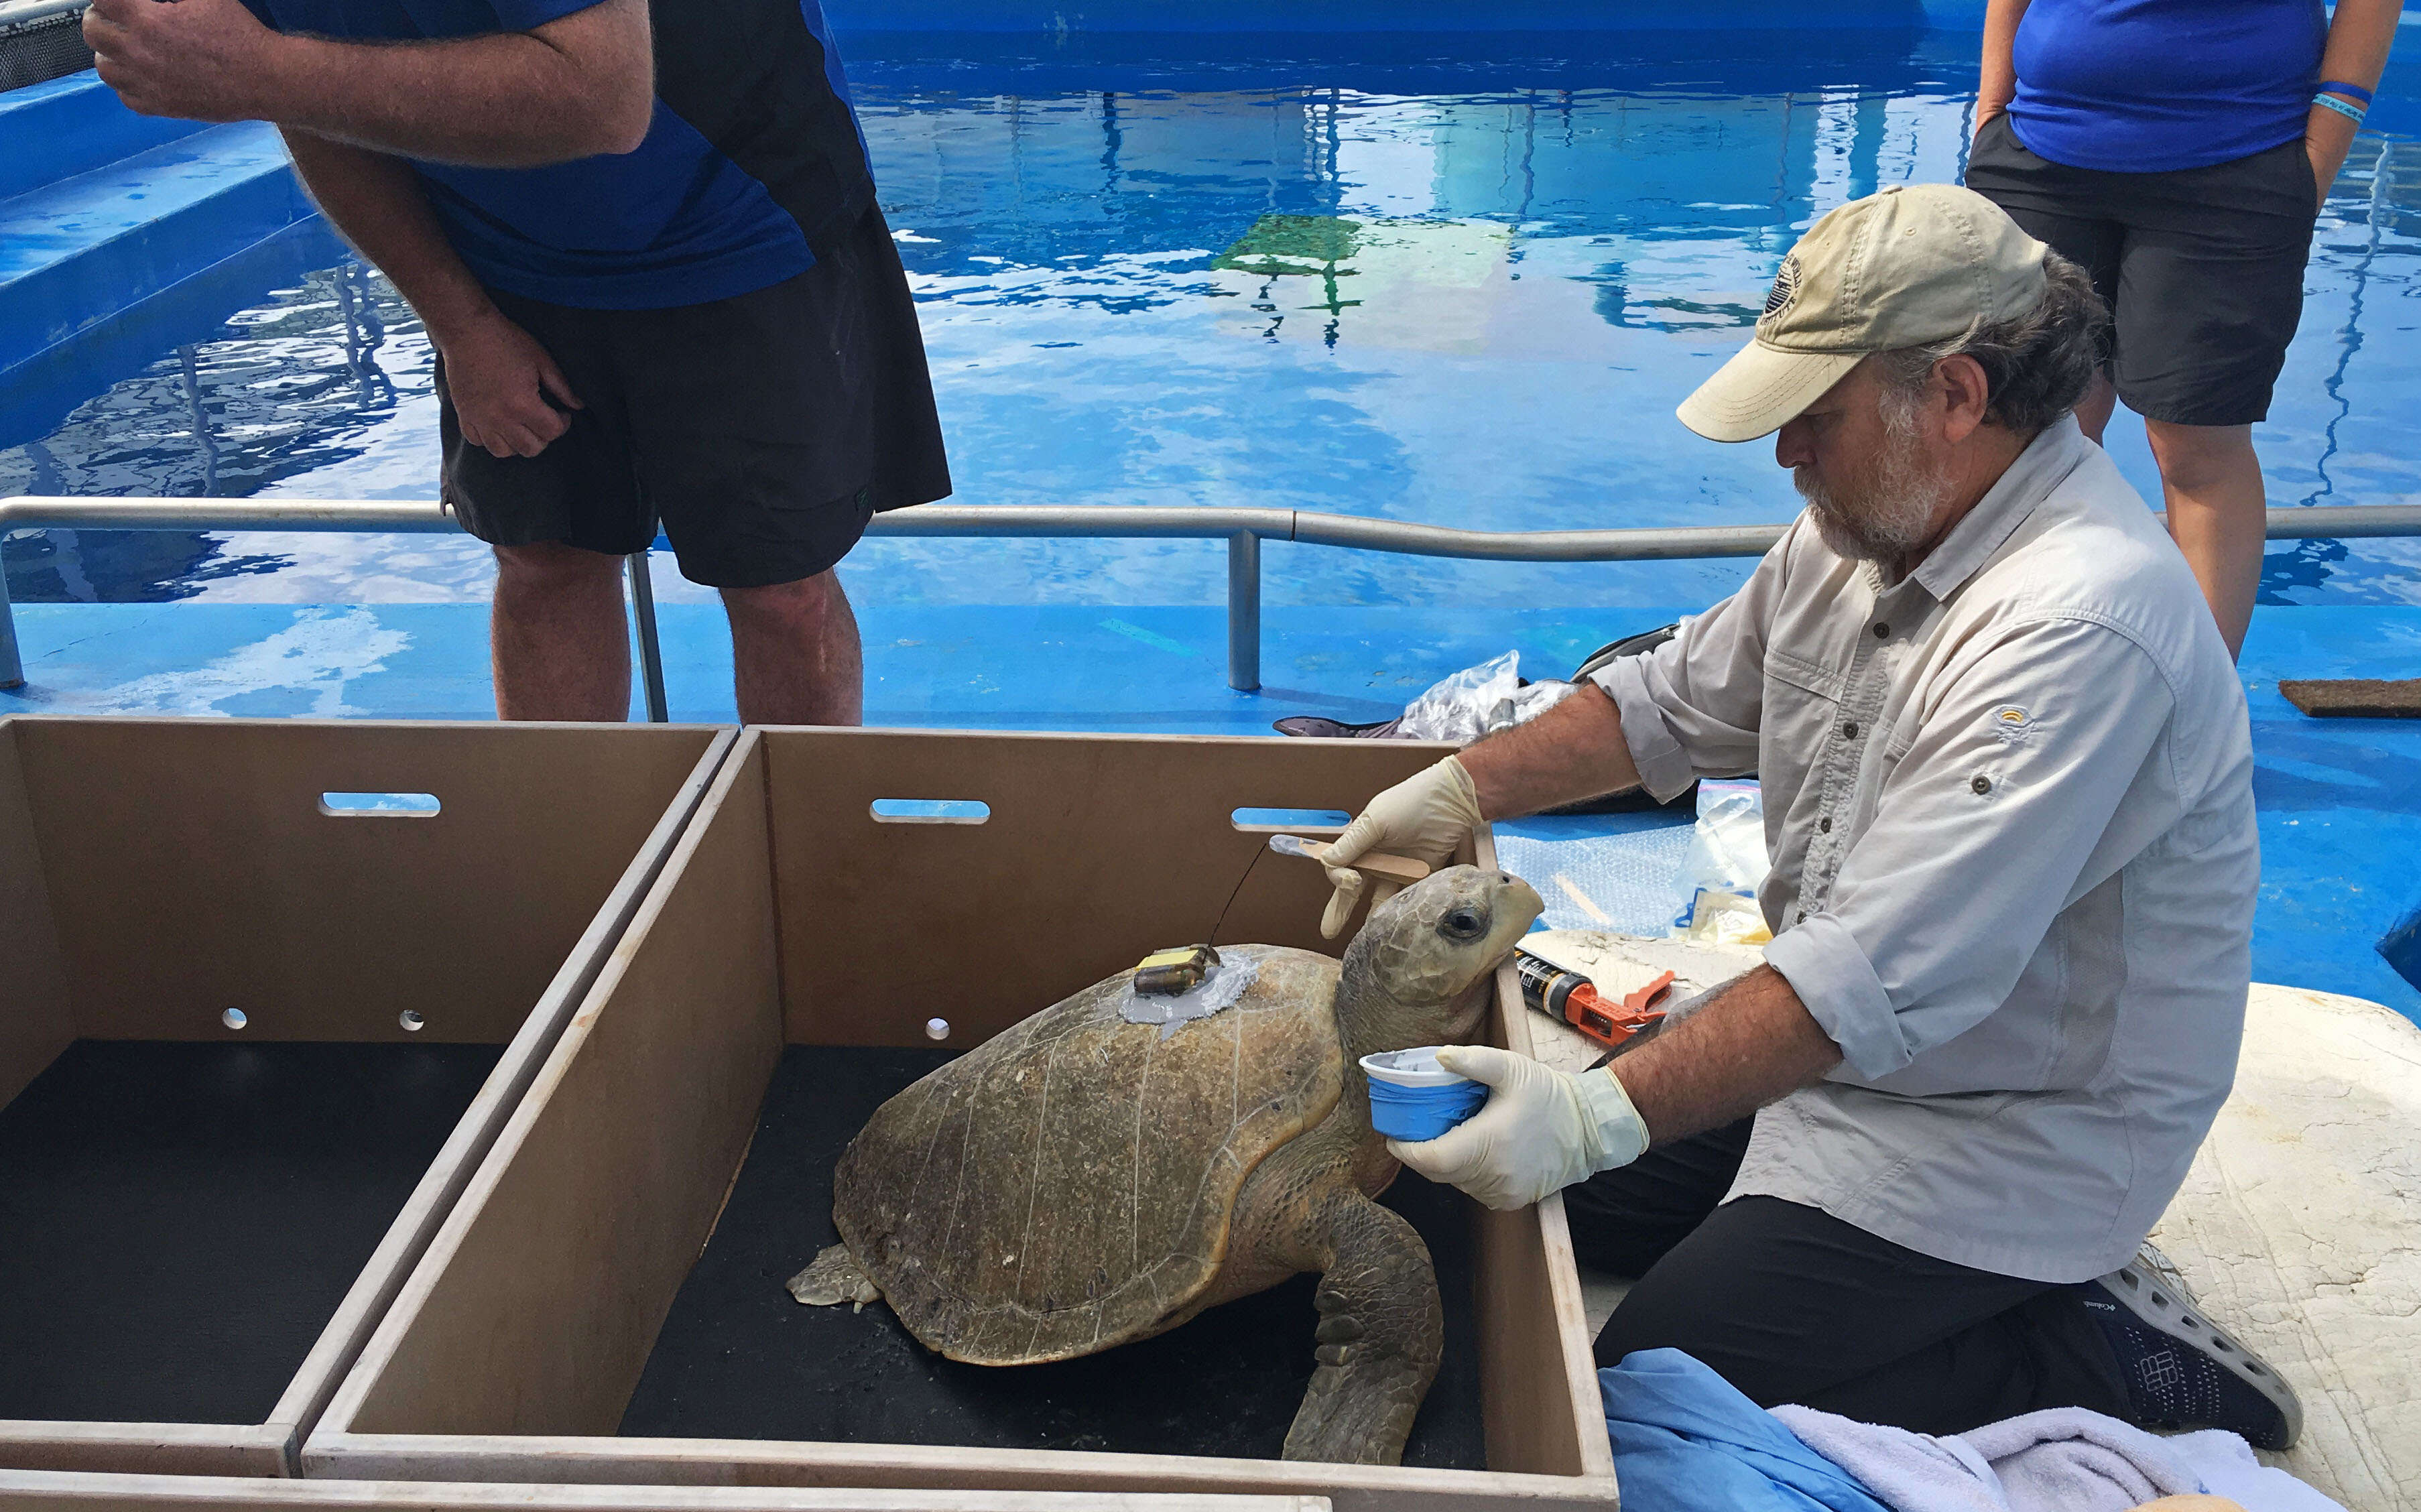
[2228, 1468]
[1907, 1471]
[2064, 1460]
[2068, 1459]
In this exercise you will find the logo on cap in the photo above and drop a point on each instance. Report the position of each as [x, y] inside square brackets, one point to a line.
[1785, 290]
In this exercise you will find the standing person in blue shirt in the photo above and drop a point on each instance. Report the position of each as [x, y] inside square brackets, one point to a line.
[2179, 151]
[649, 256]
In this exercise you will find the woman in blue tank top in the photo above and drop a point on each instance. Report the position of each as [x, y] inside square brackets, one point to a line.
[2180, 150]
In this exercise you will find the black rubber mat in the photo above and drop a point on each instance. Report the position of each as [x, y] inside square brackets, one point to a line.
[178, 1222]
[739, 1359]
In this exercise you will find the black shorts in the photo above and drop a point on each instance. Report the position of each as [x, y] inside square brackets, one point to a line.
[2202, 268]
[764, 430]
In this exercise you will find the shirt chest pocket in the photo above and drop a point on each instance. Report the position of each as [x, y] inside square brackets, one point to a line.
[1801, 699]
[1801, 720]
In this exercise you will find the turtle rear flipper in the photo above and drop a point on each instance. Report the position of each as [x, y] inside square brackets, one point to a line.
[1381, 1333]
[833, 1277]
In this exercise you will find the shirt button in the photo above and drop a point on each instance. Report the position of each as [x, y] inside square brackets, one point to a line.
[1883, 632]
[1982, 785]
[1849, 729]
[1824, 825]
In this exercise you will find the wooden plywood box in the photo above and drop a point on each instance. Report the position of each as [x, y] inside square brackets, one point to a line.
[268, 989]
[793, 914]
[69, 1492]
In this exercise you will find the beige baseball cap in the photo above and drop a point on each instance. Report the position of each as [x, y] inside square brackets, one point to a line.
[1914, 264]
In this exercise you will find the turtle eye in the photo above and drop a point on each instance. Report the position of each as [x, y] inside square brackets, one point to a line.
[1463, 923]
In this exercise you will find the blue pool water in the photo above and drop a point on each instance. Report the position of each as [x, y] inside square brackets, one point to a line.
[1364, 273]
[1455, 279]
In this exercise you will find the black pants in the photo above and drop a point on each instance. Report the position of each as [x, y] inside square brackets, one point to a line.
[1792, 1304]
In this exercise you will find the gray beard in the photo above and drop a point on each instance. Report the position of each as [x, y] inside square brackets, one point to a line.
[1894, 517]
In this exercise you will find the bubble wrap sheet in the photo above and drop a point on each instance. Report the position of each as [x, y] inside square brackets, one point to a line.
[1601, 871]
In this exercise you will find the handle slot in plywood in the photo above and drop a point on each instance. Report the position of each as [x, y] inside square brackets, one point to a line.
[1290, 820]
[380, 805]
[929, 811]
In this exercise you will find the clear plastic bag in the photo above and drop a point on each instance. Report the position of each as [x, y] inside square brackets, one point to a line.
[1725, 865]
[1479, 701]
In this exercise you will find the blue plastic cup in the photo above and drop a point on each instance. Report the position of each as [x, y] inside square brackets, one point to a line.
[1414, 1098]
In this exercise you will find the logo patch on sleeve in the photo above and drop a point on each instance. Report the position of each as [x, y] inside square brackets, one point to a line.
[2013, 723]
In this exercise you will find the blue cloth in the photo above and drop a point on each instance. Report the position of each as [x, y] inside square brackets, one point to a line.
[1685, 1440]
[676, 222]
[2153, 85]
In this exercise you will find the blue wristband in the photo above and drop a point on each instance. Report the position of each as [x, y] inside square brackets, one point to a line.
[2352, 91]
[2351, 113]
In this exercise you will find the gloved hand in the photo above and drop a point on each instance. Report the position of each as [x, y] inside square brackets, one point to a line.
[1426, 817]
[1540, 1132]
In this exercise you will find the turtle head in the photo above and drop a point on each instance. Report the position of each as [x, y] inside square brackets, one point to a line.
[1417, 973]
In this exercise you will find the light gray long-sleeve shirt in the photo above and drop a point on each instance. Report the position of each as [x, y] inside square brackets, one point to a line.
[2009, 805]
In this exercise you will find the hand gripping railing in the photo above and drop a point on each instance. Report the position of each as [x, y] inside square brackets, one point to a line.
[1242, 529]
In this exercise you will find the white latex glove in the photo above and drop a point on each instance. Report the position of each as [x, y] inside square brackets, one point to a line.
[1540, 1132]
[1426, 817]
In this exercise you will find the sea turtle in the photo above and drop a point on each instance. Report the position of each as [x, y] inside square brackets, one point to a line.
[1084, 1180]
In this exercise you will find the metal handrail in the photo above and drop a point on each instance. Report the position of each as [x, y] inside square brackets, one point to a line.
[1242, 529]
[17, 13]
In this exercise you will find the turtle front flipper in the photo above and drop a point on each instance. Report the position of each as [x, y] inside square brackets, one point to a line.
[833, 1277]
[1381, 1331]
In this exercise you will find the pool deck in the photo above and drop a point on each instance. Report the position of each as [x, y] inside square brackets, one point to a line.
[2339, 800]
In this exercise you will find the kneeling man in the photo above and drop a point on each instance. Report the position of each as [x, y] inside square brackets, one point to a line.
[1901, 1171]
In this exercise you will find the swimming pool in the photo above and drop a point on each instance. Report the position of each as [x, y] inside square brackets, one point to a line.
[1453, 278]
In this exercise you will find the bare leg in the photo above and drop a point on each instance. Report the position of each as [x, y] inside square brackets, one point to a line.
[795, 653]
[2217, 514]
[561, 647]
[2093, 411]
[1381, 1333]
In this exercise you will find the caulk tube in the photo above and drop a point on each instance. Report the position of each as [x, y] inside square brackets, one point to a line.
[1571, 998]
[1544, 986]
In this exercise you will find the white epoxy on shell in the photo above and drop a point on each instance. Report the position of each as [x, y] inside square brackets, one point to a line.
[1221, 989]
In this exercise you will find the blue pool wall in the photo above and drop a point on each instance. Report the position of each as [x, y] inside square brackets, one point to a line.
[102, 210]
[69, 126]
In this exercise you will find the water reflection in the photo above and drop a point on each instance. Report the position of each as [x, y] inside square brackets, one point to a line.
[1367, 274]
[2351, 419]
[289, 387]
